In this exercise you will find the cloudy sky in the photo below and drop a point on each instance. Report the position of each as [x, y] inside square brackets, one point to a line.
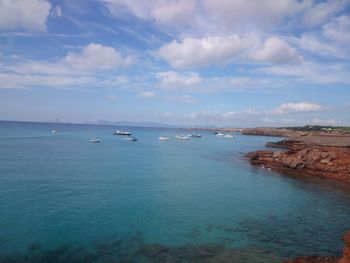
[192, 62]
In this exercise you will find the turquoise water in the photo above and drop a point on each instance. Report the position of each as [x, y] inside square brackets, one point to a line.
[65, 199]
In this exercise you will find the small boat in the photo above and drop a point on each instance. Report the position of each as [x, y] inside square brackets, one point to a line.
[162, 138]
[94, 140]
[181, 137]
[133, 139]
[53, 131]
[219, 134]
[216, 132]
[228, 136]
[118, 132]
[195, 135]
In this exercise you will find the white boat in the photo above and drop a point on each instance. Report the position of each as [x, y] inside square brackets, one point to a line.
[162, 138]
[195, 135]
[220, 134]
[119, 132]
[53, 131]
[181, 137]
[133, 139]
[228, 136]
[95, 140]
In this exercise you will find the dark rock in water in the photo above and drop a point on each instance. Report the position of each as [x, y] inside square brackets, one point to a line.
[34, 247]
[313, 259]
[284, 144]
[152, 250]
[327, 259]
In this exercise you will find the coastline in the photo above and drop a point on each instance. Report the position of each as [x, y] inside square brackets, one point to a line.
[324, 155]
[320, 155]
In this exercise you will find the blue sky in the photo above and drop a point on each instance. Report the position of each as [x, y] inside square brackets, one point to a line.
[192, 62]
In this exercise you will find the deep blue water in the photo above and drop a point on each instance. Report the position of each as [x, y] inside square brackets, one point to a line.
[61, 189]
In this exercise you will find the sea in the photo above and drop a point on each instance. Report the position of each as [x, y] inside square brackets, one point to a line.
[66, 199]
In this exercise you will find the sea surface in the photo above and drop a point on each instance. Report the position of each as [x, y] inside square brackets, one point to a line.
[65, 199]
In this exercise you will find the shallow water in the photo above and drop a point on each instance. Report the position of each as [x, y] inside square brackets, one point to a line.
[65, 199]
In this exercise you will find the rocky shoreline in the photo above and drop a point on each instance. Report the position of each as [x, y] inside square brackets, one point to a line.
[325, 162]
[275, 132]
[325, 155]
[320, 155]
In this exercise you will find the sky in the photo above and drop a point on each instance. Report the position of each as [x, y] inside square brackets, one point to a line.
[238, 63]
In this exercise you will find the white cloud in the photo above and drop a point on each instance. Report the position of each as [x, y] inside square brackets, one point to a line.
[24, 14]
[338, 30]
[205, 14]
[319, 73]
[319, 47]
[161, 11]
[332, 43]
[16, 81]
[324, 122]
[183, 98]
[116, 81]
[167, 12]
[97, 56]
[43, 68]
[227, 118]
[146, 94]
[112, 97]
[57, 11]
[231, 84]
[243, 14]
[141, 9]
[285, 108]
[195, 52]
[76, 69]
[322, 11]
[275, 50]
[254, 117]
[240, 82]
[207, 114]
[195, 83]
[172, 79]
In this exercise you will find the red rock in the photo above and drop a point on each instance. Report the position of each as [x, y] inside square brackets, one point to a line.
[346, 252]
[305, 159]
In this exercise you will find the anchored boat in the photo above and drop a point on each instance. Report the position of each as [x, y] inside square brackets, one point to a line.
[181, 137]
[94, 140]
[119, 132]
[133, 139]
[195, 135]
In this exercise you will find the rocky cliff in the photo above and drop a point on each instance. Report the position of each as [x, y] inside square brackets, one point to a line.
[305, 159]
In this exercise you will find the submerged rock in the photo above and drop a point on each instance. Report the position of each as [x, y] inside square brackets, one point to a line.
[313, 259]
[327, 259]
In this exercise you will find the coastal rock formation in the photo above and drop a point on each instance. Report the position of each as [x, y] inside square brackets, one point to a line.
[327, 259]
[346, 252]
[305, 159]
[268, 132]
